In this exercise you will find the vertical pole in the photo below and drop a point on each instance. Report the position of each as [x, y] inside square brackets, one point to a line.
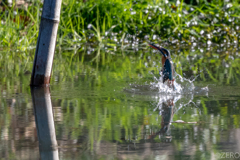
[45, 123]
[46, 43]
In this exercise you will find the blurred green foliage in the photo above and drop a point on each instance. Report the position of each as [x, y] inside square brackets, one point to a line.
[126, 22]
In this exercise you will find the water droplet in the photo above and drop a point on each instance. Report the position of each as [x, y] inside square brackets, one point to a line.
[209, 42]
[178, 2]
[154, 37]
[89, 26]
[209, 36]
[229, 5]
[132, 13]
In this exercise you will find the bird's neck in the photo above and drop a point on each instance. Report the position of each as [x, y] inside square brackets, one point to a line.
[163, 60]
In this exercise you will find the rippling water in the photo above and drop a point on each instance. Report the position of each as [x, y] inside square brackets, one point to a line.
[116, 107]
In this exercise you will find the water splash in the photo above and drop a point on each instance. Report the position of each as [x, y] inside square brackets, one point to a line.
[168, 105]
[181, 85]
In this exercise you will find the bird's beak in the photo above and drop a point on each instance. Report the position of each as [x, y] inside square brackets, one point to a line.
[157, 48]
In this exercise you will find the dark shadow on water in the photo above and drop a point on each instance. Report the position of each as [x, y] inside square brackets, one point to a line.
[45, 123]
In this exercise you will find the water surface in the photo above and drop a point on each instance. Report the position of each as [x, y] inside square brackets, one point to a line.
[111, 106]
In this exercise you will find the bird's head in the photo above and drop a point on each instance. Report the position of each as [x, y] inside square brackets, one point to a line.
[165, 53]
[162, 50]
[168, 70]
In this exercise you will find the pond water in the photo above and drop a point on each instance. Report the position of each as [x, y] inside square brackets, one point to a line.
[111, 104]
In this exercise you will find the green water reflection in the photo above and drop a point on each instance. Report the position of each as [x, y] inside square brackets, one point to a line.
[98, 116]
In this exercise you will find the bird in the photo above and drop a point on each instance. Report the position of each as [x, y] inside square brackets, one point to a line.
[167, 65]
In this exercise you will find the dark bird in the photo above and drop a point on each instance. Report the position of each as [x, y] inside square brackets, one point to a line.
[167, 65]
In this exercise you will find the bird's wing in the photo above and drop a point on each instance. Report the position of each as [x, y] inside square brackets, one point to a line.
[168, 69]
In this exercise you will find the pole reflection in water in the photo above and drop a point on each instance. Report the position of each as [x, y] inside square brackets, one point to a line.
[44, 122]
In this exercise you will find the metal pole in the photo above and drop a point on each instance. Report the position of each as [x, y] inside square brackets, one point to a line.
[45, 123]
[46, 43]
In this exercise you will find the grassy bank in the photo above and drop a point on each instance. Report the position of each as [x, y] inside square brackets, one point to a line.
[121, 22]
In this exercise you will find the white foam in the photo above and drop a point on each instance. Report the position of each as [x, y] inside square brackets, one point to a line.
[182, 85]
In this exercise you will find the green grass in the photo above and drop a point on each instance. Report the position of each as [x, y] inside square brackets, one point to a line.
[123, 22]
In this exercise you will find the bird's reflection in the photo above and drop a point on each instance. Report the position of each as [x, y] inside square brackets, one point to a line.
[167, 107]
[167, 114]
[44, 122]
